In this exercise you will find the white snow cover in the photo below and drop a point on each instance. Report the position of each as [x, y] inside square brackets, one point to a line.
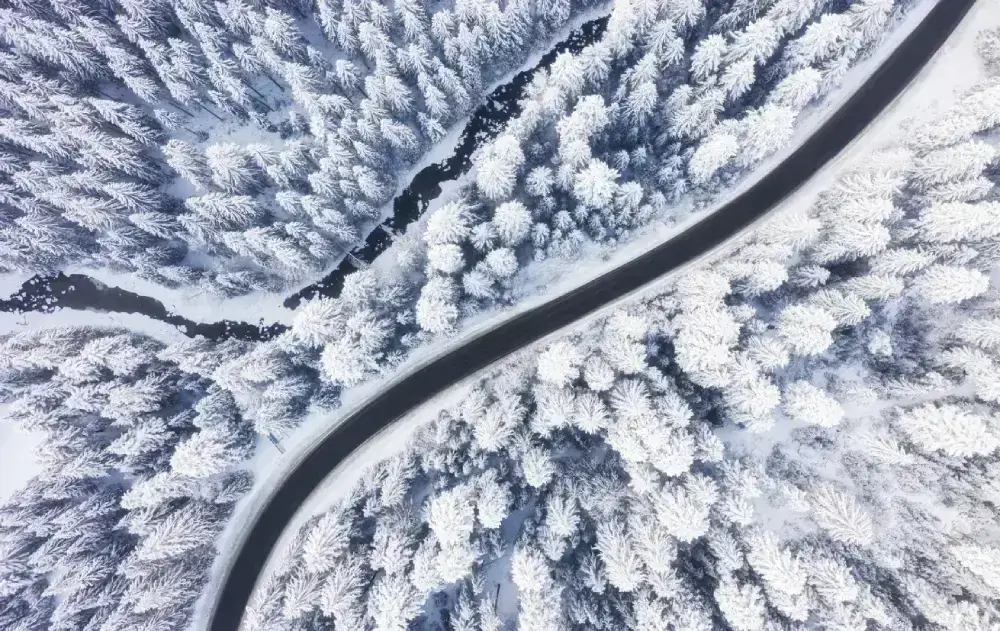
[17, 322]
[17, 456]
[933, 90]
[954, 69]
[626, 405]
[892, 452]
[11, 282]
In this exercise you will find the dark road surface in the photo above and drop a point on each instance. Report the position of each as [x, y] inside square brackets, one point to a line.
[434, 377]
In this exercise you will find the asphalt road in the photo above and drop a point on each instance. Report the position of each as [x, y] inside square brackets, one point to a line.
[869, 100]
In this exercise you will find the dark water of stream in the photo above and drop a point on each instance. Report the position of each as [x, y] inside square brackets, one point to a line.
[76, 291]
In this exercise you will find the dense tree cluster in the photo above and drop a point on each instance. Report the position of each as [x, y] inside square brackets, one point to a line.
[138, 478]
[269, 384]
[109, 149]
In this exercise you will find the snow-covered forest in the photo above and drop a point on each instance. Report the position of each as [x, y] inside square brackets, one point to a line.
[137, 480]
[236, 145]
[239, 147]
[802, 433]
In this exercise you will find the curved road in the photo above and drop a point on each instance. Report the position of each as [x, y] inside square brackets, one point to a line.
[435, 376]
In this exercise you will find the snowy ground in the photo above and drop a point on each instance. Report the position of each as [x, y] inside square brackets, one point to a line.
[11, 282]
[18, 322]
[17, 456]
[953, 71]
[269, 466]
